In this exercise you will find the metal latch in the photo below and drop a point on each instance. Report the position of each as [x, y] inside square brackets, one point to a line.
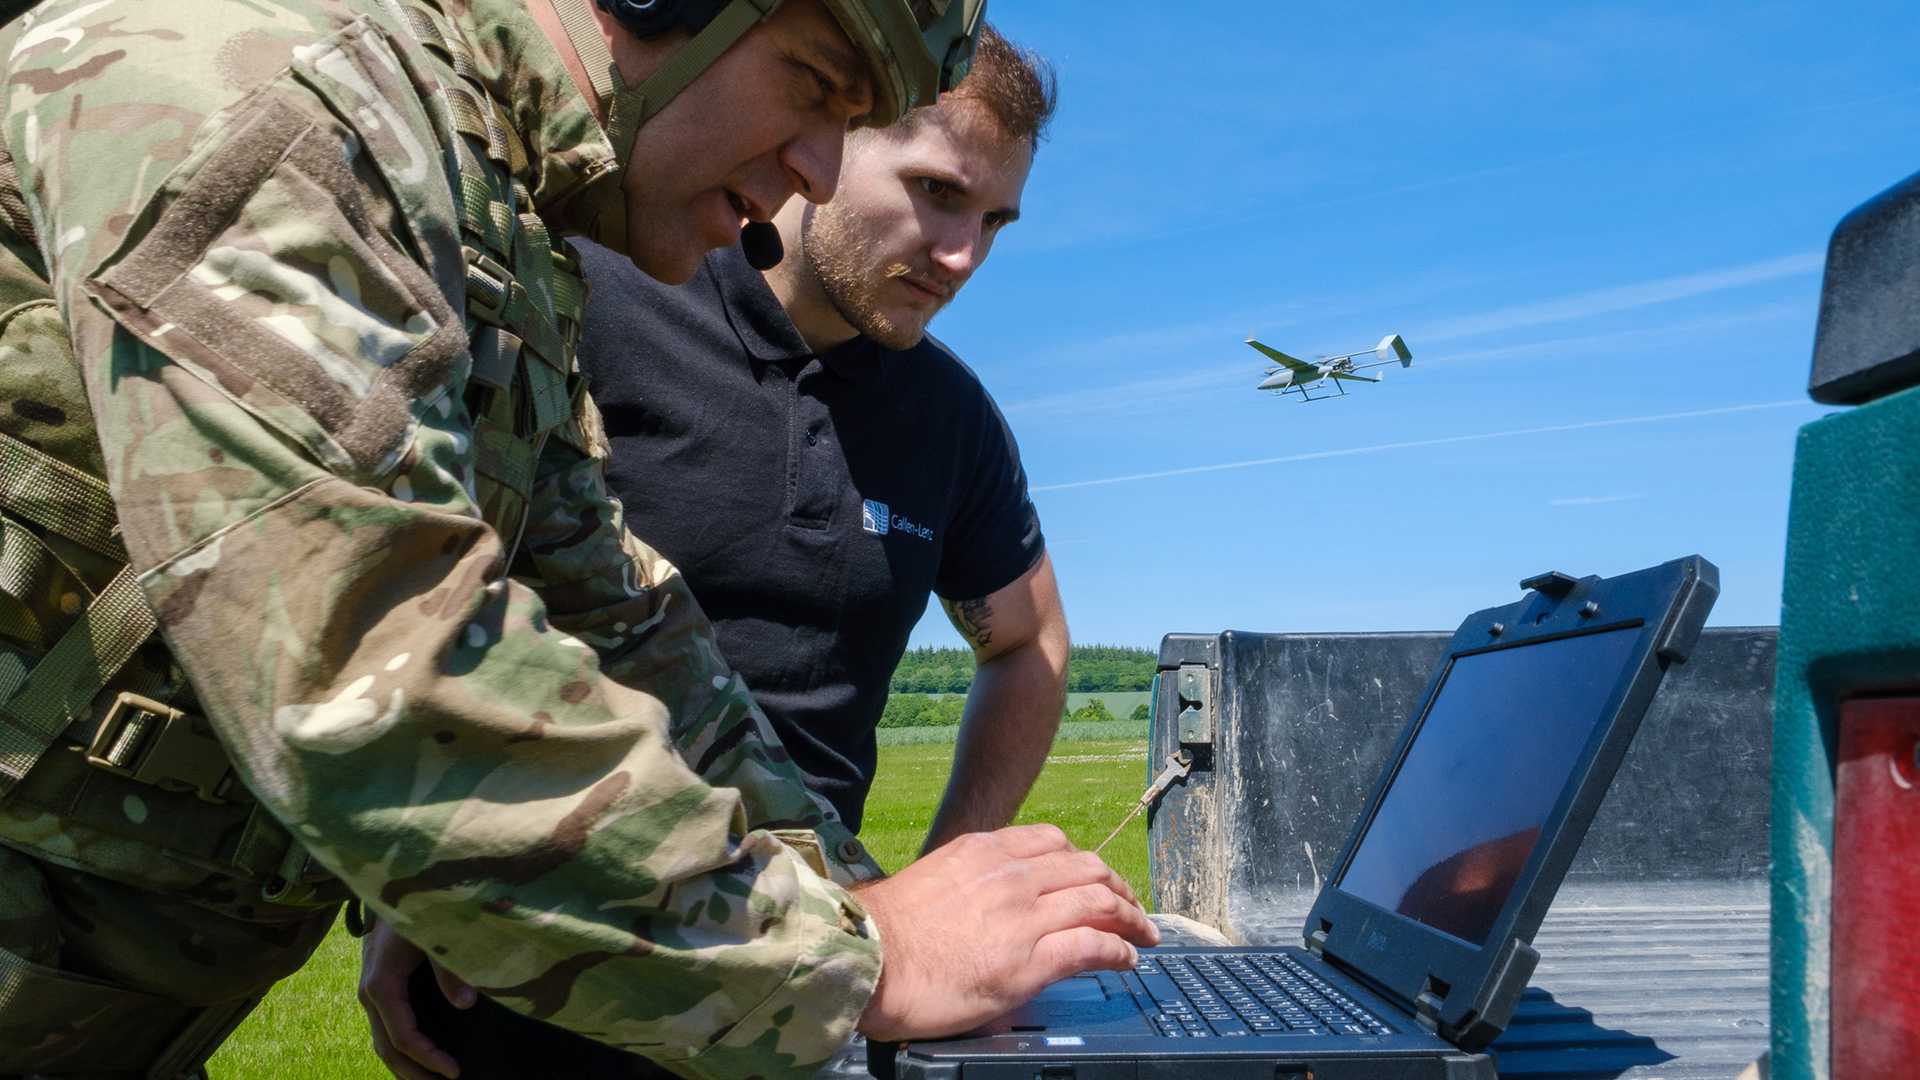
[1553, 584]
[1194, 686]
[160, 745]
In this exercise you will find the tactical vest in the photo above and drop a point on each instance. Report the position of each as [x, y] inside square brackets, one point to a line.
[93, 712]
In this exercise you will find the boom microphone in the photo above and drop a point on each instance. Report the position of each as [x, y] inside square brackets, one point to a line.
[761, 243]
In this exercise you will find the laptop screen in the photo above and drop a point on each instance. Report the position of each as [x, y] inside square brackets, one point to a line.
[1468, 803]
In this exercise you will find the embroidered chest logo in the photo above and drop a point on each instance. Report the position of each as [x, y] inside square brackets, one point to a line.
[876, 518]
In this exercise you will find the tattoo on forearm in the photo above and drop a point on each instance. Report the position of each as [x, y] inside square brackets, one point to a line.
[974, 618]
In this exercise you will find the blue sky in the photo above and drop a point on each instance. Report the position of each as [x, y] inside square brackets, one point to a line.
[1600, 228]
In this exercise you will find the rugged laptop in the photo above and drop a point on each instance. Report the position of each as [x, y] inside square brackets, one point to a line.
[1418, 947]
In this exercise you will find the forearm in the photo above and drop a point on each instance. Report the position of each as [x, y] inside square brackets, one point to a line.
[586, 577]
[474, 775]
[1013, 711]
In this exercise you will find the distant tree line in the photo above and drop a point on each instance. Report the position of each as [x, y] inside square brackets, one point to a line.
[919, 710]
[1091, 669]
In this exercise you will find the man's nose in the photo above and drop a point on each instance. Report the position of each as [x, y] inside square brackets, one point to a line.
[959, 250]
[812, 161]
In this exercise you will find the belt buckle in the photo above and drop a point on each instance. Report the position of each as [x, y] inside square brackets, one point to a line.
[154, 743]
[494, 279]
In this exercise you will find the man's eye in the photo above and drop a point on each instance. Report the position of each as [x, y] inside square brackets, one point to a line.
[825, 87]
[936, 188]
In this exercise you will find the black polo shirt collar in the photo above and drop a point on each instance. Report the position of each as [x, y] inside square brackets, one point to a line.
[767, 335]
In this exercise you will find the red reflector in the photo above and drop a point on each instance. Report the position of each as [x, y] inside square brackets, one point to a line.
[1875, 963]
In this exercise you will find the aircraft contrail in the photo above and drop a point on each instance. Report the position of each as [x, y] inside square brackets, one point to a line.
[1321, 455]
[1619, 298]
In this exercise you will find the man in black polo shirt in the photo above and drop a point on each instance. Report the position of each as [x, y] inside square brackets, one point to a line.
[816, 465]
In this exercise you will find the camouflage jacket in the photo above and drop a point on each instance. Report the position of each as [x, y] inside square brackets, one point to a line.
[541, 772]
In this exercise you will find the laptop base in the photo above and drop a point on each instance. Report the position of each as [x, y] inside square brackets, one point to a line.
[1102, 1026]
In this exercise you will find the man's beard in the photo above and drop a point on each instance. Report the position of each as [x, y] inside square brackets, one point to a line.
[844, 266]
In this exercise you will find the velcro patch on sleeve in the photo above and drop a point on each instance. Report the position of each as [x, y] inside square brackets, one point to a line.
[283, 269]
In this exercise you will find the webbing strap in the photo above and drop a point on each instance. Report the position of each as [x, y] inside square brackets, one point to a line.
[61, 687]
[424, 22]
[24, 564]
[626, 112]
[423, 27]
[519, 159]
[473, 118]
[684, 66]
[569, 290]
[486, 221]
[59, 498]
[497, 298]
[588, 44]
[533, 235]
[13, 206]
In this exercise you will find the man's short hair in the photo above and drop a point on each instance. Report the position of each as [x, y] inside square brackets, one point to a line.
[1014, 85]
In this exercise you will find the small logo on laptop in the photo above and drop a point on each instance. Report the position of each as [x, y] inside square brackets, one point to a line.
[874, 517]
[1376, 941]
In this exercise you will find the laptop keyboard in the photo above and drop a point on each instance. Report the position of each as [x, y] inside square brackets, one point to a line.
[1234, 994]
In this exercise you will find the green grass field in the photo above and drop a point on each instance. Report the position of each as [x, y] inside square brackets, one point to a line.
[311, 1026]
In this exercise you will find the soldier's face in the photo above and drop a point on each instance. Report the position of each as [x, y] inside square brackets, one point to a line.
[916, 215]
[766, 122]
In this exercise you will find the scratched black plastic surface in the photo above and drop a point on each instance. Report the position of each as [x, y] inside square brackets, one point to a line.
[1867, 343]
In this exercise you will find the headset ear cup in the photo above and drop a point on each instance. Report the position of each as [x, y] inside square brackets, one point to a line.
[652, 18]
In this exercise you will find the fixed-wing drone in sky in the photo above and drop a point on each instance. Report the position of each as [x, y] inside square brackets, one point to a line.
[1326, 377]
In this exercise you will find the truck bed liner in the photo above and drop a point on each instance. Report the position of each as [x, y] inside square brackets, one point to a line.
[1637, 981]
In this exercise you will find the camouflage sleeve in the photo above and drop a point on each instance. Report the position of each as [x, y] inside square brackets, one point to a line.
[579, 554]
[260, 292]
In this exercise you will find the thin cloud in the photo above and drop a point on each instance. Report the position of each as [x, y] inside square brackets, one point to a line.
[1132, 394]
[1118, 224]
[1595, 500]
[1650, 337]
[1624, 297]
[1168, 339]
[1322, 455]
[1855, 103]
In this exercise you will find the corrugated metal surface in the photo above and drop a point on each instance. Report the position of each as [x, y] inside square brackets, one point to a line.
[1644, 982]
[1637, 981]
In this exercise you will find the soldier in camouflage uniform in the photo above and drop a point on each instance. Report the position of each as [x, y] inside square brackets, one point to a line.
[309, 582]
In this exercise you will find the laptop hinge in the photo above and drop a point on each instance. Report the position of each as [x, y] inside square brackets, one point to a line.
[1426, 1009]
[1317, 943]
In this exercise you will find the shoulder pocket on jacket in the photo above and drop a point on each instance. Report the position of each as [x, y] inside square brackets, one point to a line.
[285, 264]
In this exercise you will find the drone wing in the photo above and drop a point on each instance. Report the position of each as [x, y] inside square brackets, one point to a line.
[1298, 367]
